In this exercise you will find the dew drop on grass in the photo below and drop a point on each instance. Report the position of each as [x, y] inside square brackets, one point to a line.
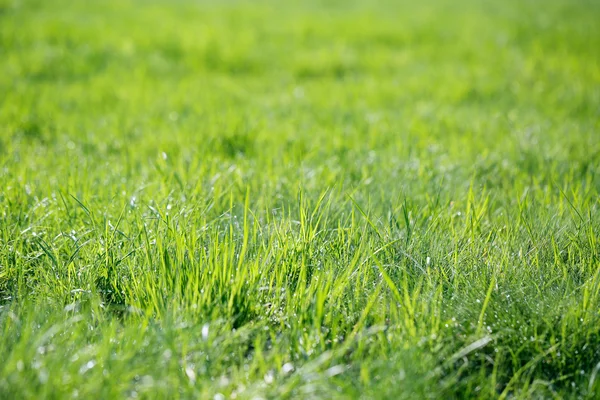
[205, 331]
[190, 374]
[335, 370]
[269, 378]
[86, 367]
[287, 368]
[43, 376]
[223, 381]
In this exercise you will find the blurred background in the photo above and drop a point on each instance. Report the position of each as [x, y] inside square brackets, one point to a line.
[380, 89]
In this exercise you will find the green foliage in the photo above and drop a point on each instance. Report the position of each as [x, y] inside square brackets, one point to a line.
[299, 200]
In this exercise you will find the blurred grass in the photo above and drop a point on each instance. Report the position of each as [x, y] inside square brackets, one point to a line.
[303, 199]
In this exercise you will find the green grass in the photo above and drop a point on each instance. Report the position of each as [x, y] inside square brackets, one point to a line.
[334, 199]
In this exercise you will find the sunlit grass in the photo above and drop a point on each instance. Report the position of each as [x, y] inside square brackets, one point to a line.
[308, 199]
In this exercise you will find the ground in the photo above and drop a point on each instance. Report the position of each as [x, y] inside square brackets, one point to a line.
[307, 199]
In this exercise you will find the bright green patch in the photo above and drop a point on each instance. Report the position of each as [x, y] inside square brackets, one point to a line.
[311, 199]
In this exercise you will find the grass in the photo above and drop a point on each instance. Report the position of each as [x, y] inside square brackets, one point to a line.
[299, 200]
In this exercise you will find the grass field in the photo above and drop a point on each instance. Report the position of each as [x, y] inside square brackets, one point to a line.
[310, 199]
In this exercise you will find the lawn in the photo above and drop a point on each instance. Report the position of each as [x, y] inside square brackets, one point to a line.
[303, 199]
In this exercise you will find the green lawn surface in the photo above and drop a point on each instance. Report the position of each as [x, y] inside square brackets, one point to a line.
[299, 199]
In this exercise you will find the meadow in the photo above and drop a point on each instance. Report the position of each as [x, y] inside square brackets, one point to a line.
[303, 199]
